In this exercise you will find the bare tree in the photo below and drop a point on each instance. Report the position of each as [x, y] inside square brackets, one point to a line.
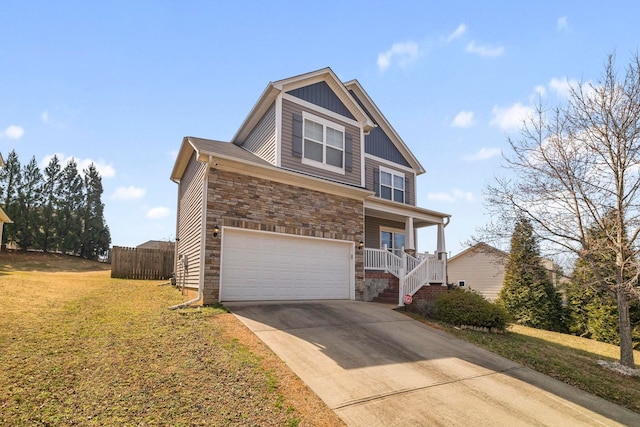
[575, 169]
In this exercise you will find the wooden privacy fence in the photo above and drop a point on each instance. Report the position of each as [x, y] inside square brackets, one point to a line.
[143, 264]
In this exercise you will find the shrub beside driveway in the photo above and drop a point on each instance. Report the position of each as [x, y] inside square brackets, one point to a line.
[79, 348]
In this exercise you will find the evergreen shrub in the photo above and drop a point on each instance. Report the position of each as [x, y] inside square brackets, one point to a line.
[460, 307]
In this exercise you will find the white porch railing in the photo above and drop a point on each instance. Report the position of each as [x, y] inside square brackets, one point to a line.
[380, 259]
[412, 272]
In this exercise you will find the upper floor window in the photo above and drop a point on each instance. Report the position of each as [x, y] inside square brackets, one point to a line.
[323, 143]
[392, 185]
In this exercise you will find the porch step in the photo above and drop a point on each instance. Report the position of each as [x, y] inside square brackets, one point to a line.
[389, 296]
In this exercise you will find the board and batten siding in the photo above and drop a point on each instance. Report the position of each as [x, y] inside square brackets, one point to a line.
[410, 178]
[290, 108]
[262, 138]
[481, 271]
[372, 227]
[190, 223]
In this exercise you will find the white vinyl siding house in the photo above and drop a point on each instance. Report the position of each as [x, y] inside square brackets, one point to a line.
[480, 268]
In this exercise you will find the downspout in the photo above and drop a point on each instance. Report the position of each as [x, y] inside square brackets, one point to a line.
[202, 240]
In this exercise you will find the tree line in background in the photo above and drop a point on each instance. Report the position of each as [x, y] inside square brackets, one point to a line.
[55, 210]
[589, 310]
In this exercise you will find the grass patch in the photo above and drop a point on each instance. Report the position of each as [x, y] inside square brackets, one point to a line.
[568, 358]
[80, 348]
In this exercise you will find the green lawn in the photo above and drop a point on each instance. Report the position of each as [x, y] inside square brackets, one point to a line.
[571, 359]
[80, 348]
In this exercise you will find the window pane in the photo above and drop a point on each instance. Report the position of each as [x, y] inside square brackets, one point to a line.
[313, 130]
[334, 157]
[335, 138]
[312, 150]
[385, 192]
[398, 196]
[398, 240]
[398, 182]
[386, 239]
[385, 178]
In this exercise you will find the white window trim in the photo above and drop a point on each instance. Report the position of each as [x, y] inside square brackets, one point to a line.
[392, 231]
[323, 165]
[461, 283]
[398, 174]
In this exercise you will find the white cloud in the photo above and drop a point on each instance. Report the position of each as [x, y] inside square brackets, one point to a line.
[44, 117]
[484, 154]
[540, 90]
[128, 193]
[562, 24]
[459, 32]
[13, 132]
[173, 154]
[104, 169]
[158, 212]
[403, 53]
[486, 51]
[463, 119]
[562, 86]
[451, 197]
[511, 117]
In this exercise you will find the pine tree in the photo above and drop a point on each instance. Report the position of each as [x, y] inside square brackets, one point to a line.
[527, 292]
[592, 307]
[70, 211]
[51, 190]
[28, 221]
[10, 177]
[96, 237]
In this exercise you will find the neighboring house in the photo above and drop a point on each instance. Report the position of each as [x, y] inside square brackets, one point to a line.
[303, 201]
[158, 244]
[4, 218]
[481, 268]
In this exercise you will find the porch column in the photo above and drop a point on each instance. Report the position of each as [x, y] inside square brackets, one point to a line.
[409, 235]
[442, 249]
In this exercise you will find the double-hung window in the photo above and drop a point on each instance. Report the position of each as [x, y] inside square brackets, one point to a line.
[392, 185]
[323, 143]
[392, 240]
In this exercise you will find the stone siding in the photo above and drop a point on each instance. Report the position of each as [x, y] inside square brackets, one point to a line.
[242, 201]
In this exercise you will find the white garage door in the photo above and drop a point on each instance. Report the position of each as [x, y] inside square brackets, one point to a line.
[271, 266]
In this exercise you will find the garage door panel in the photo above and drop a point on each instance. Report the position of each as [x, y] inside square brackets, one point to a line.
[272, 266]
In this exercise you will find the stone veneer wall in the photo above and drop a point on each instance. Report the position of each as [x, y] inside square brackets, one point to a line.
[242, 201]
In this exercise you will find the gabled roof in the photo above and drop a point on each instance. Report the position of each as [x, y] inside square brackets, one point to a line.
[482, 247]
[206, 147]
[4, 217]
[383, 123]
[273, 89]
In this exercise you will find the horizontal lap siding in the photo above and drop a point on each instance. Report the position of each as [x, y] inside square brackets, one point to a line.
[294, 163]
[371, 164]
[372, 230]
[481, 272]
[190, 222]
[262, 139]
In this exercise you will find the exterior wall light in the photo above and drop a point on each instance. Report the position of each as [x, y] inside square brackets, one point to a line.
[216, 230]
[360, 245]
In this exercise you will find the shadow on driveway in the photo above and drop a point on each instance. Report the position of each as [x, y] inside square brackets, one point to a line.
[375, 366]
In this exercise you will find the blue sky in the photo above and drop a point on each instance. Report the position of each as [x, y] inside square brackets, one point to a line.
[119, 83]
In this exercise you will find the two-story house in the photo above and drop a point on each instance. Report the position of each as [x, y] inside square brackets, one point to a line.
[315, 191]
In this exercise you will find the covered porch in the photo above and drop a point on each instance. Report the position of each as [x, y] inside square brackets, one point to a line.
[391, 234]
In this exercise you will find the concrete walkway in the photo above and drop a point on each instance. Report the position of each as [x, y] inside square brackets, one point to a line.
[376, 367]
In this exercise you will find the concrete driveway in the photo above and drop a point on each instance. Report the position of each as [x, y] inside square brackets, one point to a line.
[376, 367]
